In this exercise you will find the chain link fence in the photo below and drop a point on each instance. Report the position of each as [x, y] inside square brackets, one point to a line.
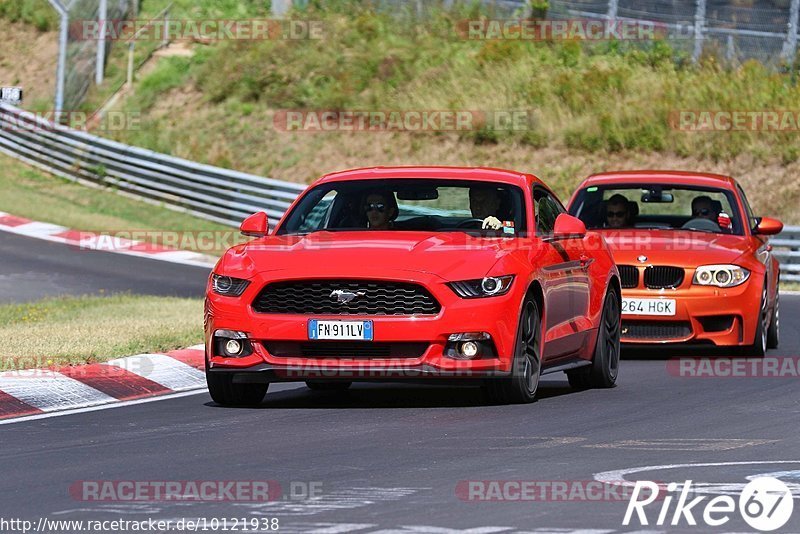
[82, 57]
[731, 30]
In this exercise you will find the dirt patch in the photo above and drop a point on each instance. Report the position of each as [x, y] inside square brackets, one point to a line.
[28, 58]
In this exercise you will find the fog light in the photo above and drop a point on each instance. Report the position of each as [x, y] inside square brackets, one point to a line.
[233, 347]
[469, 349]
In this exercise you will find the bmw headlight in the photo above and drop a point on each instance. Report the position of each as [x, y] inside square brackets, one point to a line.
[490, 286]
[228, 286]
[720, 275]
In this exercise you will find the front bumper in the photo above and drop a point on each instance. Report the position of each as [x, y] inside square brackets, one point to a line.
[496, 316]
[704, 315]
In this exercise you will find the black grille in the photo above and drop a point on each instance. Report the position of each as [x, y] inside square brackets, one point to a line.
[629, 276]
[307, 297]
[339, 349]
[655, 331]
[658, 277]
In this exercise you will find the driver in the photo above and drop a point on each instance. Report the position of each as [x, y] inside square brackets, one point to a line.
[380, 208]
[618, 213]
[703, 208]
[484, 203]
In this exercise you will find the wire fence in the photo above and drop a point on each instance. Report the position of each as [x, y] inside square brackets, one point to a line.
[731, 30]
[82, 58]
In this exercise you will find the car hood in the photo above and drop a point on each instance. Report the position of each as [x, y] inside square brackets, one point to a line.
[449, 255]
[682, 248]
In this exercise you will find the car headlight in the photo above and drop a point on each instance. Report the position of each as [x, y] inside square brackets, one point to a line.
[491, 286]
[720, 275]
[228, 286]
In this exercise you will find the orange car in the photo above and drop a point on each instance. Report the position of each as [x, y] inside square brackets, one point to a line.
[695, 263]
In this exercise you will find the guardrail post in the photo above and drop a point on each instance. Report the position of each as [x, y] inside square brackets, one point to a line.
[131, 49]
[611, 14]
[281, 7]
[699, 29]
[102, 18]
[790, 45]
[165, 39]
[62, 53]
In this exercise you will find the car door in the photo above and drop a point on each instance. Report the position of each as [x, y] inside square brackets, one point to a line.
[567, 294]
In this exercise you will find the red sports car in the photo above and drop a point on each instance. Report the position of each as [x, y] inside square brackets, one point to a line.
[695, 262]
[461, 274]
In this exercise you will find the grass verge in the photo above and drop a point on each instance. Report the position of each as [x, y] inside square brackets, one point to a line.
[35, 195]
[77, 330]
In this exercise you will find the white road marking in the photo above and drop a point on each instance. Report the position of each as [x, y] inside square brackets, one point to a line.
[163, 369]
[344, 499]
[50, 391]
[40, 230]
[617, 476]
[682, 444]
[100, 407]
[499, 443]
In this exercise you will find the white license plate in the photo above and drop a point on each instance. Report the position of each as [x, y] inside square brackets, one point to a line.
[352, 330]
[664, 307]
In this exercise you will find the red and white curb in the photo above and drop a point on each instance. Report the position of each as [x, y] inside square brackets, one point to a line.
[34, 392]
[91, 241]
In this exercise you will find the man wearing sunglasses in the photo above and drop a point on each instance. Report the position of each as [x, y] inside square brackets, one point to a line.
[618, 213]
[703, 208]
[380, 207]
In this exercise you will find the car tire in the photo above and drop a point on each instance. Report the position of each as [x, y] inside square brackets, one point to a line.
[226, 393]
[521, 386]
[603, 371]
[774, 323]
[759, 347]
[328, 386]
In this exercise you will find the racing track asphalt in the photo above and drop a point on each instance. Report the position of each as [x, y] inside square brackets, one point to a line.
[31, 269]
[388, 456]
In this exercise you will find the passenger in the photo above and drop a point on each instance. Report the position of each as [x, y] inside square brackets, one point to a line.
[703, 208]
[381, 210]
[618, 212]
[484, 203]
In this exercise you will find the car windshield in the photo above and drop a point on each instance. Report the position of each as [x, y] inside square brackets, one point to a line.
[410, 205]
[650, 206]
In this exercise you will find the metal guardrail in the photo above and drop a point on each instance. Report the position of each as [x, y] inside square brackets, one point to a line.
[786, 247]
[209, 192]
[213, 193]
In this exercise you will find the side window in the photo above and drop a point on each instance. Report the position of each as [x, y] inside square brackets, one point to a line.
[748, 211]
[317, 217]
[547, 209]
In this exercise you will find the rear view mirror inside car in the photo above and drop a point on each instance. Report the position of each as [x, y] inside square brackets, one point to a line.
[418, 193]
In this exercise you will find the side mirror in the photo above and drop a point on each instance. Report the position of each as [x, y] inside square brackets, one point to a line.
[569, 225]
[768, 226]
[256, 225]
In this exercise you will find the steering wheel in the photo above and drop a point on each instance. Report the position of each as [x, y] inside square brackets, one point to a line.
[701, 224]
[478, 223]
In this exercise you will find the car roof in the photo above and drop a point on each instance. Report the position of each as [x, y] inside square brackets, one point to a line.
[432, 172]
[661, 177]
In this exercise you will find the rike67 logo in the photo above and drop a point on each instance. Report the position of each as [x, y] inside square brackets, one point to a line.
[765, 503]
